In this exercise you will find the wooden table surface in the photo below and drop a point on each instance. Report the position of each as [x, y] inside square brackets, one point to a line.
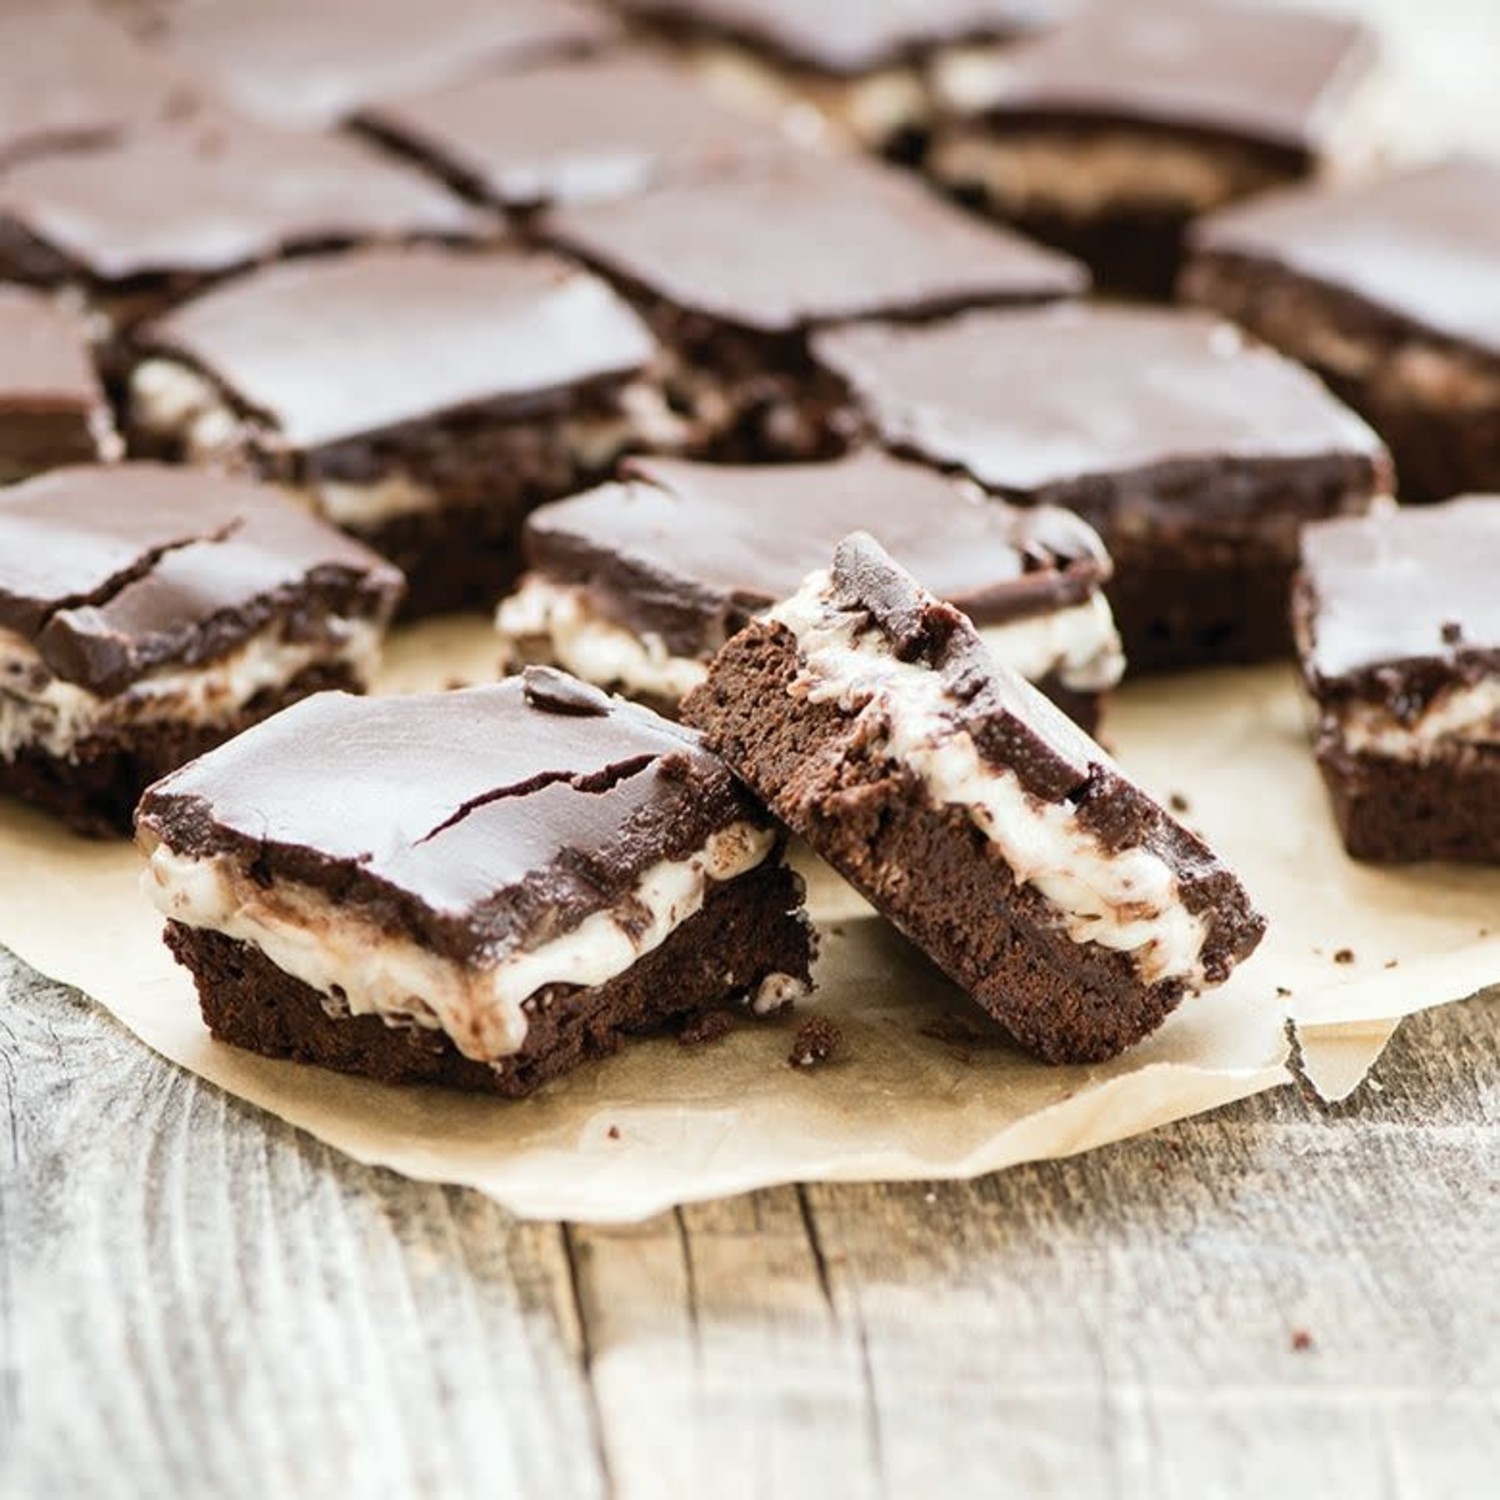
[196, 1300]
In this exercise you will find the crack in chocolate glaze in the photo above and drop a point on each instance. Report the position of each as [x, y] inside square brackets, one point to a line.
[596, 784]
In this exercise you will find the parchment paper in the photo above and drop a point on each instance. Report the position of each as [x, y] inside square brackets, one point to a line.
[923, 1087]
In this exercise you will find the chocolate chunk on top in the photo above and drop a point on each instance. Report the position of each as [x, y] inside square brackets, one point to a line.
[112, 572]
[580, 130]
[312, 62]
[71, 77]
[1421, 245]
[213, 192]
[333, 348]
[1027, 399]
[1271, 76]
[1387, 589]
[476, 820]
[850, 37]
[689, 550]
[826, 240]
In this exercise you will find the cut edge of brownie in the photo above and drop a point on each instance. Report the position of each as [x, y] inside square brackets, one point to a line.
[749, 930]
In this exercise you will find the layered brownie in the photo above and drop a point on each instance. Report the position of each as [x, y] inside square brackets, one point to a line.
[305, 63]
[1389, 291]
[52, 407]
[981, 821]
[144, 223]
[148, 613]
[1108, 135]
[576, 131]
[73, 77]
[1196, 454]
[636, 585]
[864, 67]
[480, 889]
[734, 275]
[1398, 621]
[424, 399]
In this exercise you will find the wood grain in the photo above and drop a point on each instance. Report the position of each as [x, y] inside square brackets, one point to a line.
[196, 1300]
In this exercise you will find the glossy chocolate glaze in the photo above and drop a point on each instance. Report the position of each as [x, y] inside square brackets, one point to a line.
[578, 131]
[825, 240]
[338, 347]
[208, 194]
[690, 551]
[313, 62]
[1040, 402]
[1272, 76]
[113, 571]
[1421, 245]
[1405, 590]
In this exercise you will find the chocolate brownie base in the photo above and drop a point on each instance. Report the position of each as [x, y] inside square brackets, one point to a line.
[96, 792]
[1403, 812]
[1435, 402]
[876, 825]
[747, 929]
[32, 442]
[1203, 601]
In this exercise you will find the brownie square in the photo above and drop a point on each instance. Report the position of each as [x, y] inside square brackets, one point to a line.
[305, 63]
[52, 408]
[864, 66]
[636, 585]
[1196, 454]
[1108, 135]
[148, 613]
[735, 275]
[1398, 623]
[576, 131]
[423, 398]
[480, 889]
[73, 77]
[991, 830]
[149, 220]
[1391, 291]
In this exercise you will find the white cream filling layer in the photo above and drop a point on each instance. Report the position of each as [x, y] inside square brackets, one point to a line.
[1081, 177]
[1126, 900]
[870, 108]
[1457, 717]
[364, 970]
[558, 623]
[42, 712]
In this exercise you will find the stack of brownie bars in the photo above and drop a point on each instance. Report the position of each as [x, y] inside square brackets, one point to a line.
[802, 386]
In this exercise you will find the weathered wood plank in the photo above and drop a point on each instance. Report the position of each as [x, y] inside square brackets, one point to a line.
[205, 1302]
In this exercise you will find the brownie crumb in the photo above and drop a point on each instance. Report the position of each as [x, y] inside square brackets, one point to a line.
[1453, 633]
[1393, 963]
[613, 1132]
[703, 1030]
[1302, 1341]
[1282, 992]
[1344, 956]
[1179, 804]
[816, 1042]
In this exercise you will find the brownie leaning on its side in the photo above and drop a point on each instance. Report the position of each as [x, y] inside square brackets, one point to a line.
[971, 812]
